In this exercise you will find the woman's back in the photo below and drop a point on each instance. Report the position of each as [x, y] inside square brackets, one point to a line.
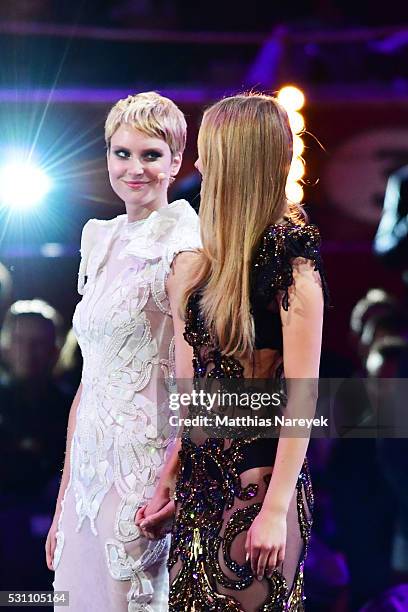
[224, 481]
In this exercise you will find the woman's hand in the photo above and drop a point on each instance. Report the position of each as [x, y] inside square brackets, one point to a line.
[265, 543]
[154, 519]
[51, 543]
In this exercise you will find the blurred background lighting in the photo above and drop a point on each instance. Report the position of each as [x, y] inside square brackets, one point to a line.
[298, 146]
[297, 170]
[52, 249]
[292, 98]
[294, 192]
[22, 185]
[297, 123]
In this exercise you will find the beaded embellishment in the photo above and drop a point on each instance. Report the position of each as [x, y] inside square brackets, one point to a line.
[213, 507]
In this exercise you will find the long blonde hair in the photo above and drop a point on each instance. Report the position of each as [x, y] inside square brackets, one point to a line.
[245, 148]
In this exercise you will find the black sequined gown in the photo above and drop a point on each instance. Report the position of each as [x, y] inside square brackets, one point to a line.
[223, 482]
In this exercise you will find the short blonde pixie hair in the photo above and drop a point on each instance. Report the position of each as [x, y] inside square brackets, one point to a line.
[153, 115]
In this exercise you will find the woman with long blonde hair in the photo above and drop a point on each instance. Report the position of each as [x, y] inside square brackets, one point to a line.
[254, 309]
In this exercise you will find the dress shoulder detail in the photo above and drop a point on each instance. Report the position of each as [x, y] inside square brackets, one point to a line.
[273, 262]
[185, 237]
[89, 238]
[165, 233]
[161, 236]
[95, 232]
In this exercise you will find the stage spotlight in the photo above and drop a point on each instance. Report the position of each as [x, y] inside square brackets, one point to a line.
[22, 185]
[298, 145]
[294, 192]
[297, 170]
[297, 123]
[292, 98]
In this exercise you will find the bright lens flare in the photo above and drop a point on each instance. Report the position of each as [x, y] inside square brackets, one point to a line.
[297, 123]
[22, 185]
[294, 192]
[298, 146]
[297, 170]
[292, 98]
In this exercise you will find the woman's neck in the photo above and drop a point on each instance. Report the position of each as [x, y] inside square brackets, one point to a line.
[137, 213]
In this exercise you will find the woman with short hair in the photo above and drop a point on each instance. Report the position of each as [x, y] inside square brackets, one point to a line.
[117, 436]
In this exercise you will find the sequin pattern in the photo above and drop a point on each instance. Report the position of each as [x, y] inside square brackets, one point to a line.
[213, 507]
[272, 268]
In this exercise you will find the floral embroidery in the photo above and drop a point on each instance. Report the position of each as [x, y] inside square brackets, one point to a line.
[125, 332]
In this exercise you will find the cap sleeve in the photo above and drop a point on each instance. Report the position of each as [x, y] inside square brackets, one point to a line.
[273, 264]
[184, 237]
[88, 241]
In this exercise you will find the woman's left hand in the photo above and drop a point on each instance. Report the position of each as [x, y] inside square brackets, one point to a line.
[154, 518]
[266, 541]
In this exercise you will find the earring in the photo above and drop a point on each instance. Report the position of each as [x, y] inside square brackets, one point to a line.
[172, 179]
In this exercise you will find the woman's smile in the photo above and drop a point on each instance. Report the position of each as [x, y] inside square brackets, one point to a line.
[136, 184]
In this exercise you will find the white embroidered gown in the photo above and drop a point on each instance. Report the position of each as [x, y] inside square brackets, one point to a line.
[124, 328]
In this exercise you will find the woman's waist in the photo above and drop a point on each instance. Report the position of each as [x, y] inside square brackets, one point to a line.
[124, 384]
[238, 454]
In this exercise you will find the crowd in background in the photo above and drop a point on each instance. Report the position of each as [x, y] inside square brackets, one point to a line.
[38, 379]
[359, 550]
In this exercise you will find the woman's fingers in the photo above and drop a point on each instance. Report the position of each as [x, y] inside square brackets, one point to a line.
[157, 518]
[265, 560]
[248, 547]
[265, 543]
[281, 556]
[152, 526]
[271, 562]
[262, 561]
[255, 552]
[49, 551]
[150, 535]
[139, 516]
[274, 561]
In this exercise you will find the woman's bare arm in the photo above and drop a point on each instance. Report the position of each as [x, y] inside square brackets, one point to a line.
[161, 507]
[302, 333]
[51, 542]
[67, 462]
[177, 281]
[302, 337]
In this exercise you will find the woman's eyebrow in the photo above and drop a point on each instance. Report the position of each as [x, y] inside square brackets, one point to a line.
[153, 146]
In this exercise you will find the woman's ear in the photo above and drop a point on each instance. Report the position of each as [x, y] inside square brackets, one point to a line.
[176, 163]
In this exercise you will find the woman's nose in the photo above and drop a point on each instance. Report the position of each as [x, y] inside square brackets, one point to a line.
[135, 168]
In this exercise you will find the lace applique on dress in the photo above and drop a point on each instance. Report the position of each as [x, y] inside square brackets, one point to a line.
[123, 567]
[124, 328]
[272, 268]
